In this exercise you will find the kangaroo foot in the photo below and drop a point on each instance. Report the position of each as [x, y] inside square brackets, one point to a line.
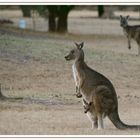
[78, 95]
[86, 110]
[129, 47]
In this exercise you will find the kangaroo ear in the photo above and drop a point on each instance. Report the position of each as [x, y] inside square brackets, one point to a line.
[81, 45]
[90, 103]
[77, 45]
[127, 17]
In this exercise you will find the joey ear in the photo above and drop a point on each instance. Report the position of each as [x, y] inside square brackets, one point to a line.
[90, 103]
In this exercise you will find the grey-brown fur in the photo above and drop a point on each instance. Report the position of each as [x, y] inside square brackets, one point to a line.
[131, 32]
[96, 88]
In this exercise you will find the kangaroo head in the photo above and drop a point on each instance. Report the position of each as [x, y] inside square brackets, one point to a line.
[76, 53]
[123, 21]
[86, 105]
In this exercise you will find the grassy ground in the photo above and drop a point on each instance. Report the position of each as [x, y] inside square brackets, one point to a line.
[32, 66]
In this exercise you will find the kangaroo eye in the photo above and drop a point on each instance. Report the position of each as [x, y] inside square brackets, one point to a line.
[72, 51]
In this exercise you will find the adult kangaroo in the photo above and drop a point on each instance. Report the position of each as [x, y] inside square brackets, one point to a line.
[97, 89]
[131, 32]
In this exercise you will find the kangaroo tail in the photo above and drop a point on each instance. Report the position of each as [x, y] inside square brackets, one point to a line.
[115, 119]
[1, 95]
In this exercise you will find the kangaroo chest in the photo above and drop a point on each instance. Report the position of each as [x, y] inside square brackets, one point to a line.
[79, 78]
[75, 75]
[125, 32]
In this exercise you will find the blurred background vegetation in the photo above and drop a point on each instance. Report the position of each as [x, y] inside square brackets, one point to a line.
[56, 16]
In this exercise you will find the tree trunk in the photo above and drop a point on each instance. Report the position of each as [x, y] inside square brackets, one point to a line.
[62, 24]
[33, 19]
[100, 10]
[60, 13]
[26, 10]
[51, 20]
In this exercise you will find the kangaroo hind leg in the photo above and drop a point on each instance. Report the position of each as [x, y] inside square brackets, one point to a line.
[95, 124]
[100, 122]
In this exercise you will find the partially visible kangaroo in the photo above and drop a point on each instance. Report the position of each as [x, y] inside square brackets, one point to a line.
[87, 106]
[130, 31]
[96, 88]
[90, 111]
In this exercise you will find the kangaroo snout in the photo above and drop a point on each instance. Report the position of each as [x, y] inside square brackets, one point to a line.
[67, 57]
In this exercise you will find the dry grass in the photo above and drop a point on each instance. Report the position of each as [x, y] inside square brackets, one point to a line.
[34, 68]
